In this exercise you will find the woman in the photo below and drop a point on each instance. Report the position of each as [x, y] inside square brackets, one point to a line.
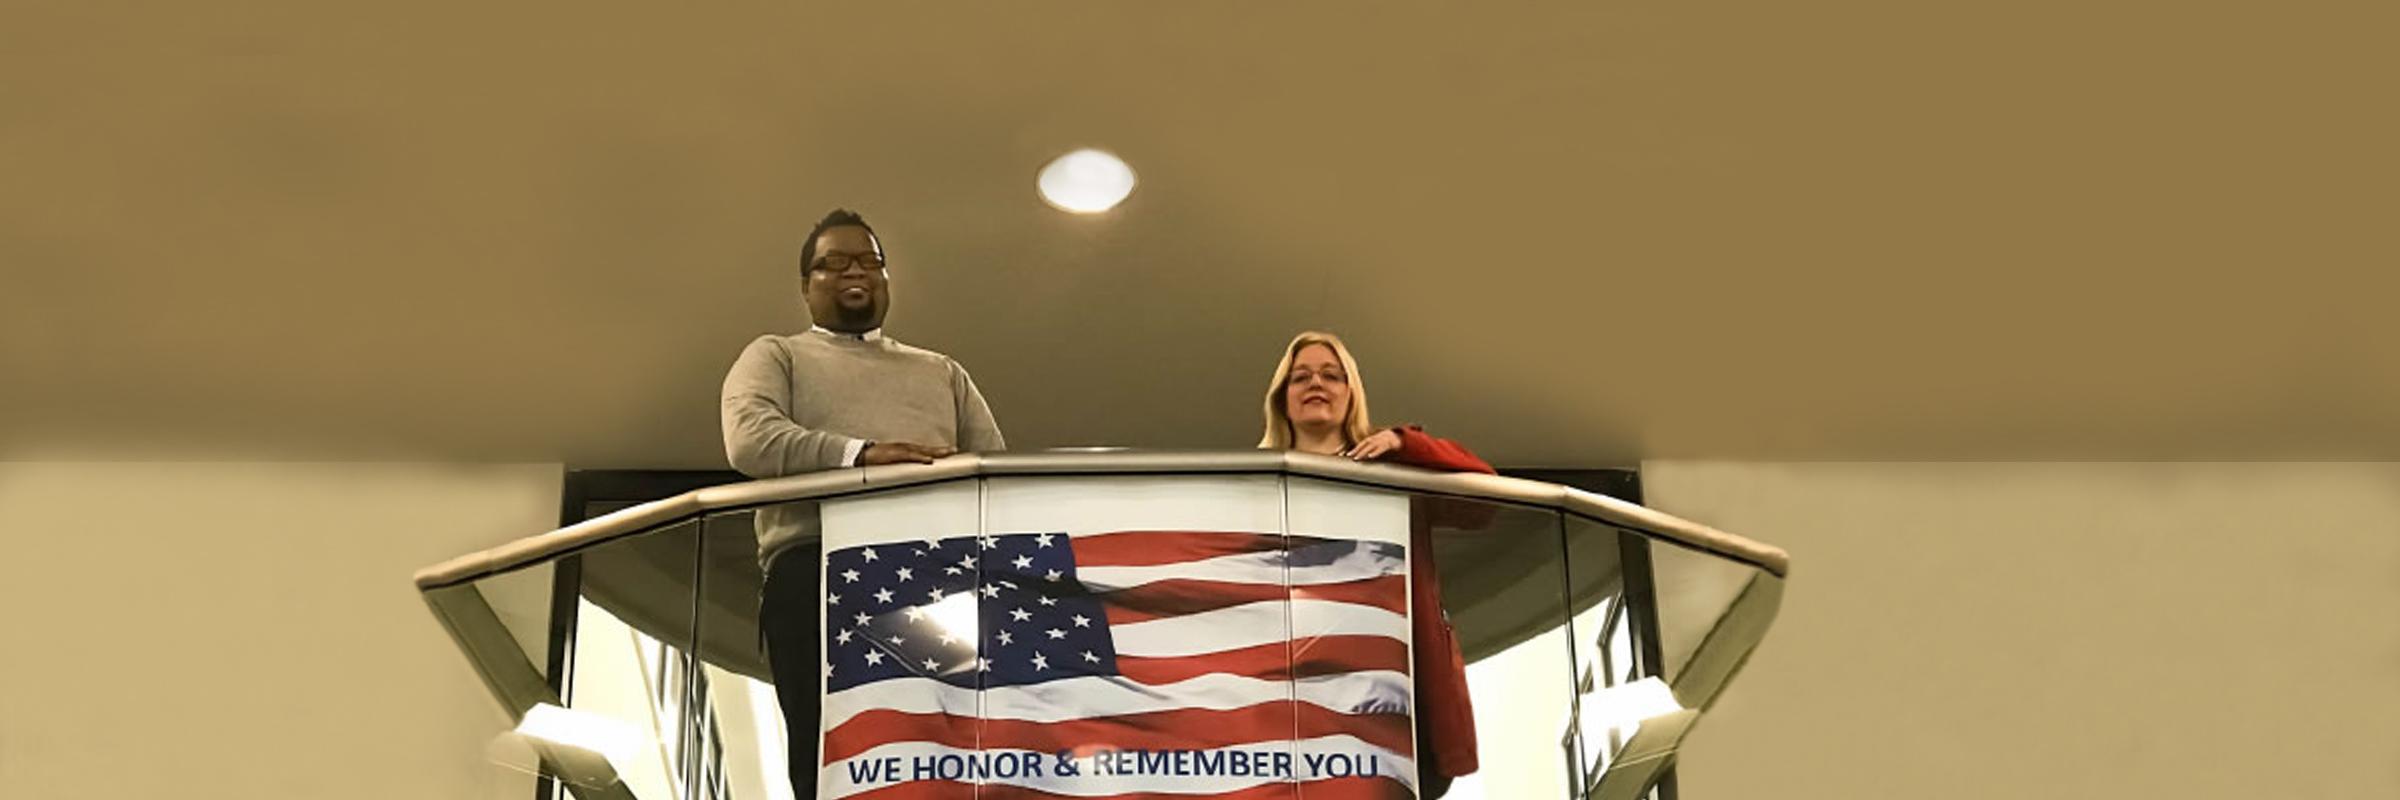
[1317, 404]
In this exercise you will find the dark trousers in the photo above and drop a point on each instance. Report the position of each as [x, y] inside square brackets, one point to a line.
[787, 619]
[1431, 783]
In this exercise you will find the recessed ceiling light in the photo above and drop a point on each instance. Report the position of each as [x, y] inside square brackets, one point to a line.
[1086, 181]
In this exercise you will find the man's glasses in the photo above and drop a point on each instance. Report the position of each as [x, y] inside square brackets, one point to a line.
[837, 263]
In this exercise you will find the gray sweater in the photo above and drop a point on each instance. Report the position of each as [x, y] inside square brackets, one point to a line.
[794, 404]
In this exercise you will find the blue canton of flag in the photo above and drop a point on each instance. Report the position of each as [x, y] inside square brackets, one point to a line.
[997, 610]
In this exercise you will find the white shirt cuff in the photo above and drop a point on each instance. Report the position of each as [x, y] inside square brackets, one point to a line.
[850, 452]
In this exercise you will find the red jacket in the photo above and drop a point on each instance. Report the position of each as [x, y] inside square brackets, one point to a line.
[1445, 715]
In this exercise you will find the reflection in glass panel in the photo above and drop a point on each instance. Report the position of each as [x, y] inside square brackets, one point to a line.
[634, 628]
[1695, 591]
[502, 662]
[1594, 672]
[753, 761]
[1502, 581]
[1601, 634]
[1695, 615]
[756, 765]
[521, 600]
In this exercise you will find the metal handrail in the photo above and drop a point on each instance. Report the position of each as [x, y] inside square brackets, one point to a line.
[590, 533]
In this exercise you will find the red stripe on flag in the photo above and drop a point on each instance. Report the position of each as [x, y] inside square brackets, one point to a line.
[1152, 548]
[1271, 724]
[1388, 592]
[871, 729]
[1319, 656]
[1180, 596]
[1307, 658]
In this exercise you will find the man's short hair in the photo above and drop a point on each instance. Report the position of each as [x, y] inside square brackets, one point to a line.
[834, 219]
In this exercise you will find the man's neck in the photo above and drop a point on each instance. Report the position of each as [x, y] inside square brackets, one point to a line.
[868, 335]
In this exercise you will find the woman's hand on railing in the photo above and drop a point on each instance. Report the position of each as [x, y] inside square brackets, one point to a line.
[1377, 445]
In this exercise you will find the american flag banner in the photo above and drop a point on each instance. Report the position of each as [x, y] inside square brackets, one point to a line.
[1117, 664]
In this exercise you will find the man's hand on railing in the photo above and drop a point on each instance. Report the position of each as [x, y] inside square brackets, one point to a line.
[902, 453]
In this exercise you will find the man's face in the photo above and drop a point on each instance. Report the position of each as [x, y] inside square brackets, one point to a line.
[846, 287]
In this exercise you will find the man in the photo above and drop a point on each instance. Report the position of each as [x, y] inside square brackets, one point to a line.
[840, 395]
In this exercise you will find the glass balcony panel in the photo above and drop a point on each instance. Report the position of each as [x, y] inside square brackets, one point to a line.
[1692, 628]
[741, 720]
[1139, 635]
[1503, 580]
[1605, 568]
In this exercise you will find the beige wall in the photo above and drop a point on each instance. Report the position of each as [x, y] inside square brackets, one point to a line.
[246, 630]
[2053, 631]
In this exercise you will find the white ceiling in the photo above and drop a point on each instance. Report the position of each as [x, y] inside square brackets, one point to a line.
[1567, 233]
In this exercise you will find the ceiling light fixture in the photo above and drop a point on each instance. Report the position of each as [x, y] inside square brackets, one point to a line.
[1086, 181]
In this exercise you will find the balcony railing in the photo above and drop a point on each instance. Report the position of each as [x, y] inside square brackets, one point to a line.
[651, 680]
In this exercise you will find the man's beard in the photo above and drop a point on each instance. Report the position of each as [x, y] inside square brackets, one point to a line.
[859, 319]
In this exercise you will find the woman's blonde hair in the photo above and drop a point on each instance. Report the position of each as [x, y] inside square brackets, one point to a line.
[1355, 426]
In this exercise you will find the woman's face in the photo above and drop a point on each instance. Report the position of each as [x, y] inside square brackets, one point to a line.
[1317, 394]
